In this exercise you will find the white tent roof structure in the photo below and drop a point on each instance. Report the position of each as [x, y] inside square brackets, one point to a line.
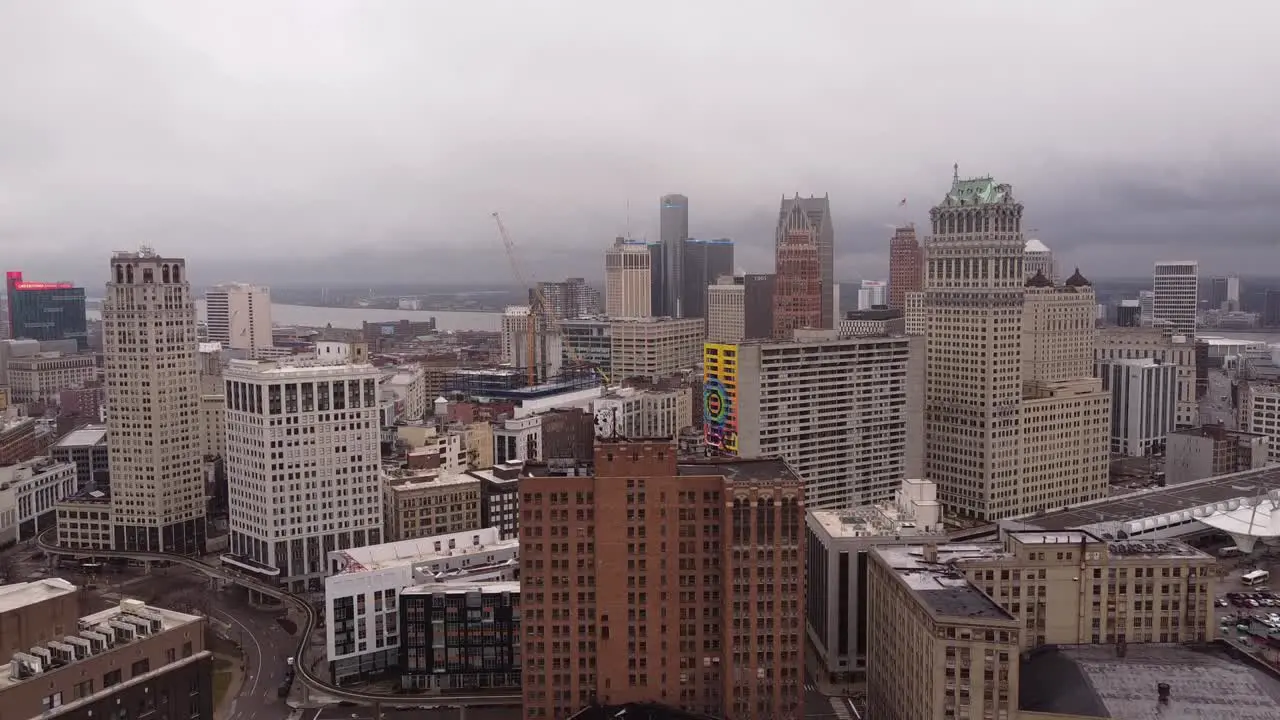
[1034, 245]
[1247, 521]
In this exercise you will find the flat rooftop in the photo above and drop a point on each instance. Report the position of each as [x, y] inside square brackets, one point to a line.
[87, 435]
[423, 550]
[1159, 501]
[736, 469]
[411, 481]
[1091, 681]
[18, 595]
[465, 587]
[868, 521]
[941, 587]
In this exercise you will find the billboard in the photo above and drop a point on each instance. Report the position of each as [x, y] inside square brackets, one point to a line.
[720, 396]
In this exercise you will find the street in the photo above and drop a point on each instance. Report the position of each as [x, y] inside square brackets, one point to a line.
[267, 648]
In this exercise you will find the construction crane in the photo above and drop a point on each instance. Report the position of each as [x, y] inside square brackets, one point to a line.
[538, 311]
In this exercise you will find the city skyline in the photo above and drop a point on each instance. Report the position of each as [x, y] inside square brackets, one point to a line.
[208, 138]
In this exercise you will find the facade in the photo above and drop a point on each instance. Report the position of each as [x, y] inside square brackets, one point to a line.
[133, 660]
[873, 294]
[409, 384]
[654, 347]
[1129, 313]
[914, 318]
[319, 488]
[153, 396]
[1176, 284]
[38, 485]
[1156, 344]
[799, 297]
[734, 566]
[427, 504]
[568, 299]
[500, 499]
[1224, 294]
[642, 413]
[906, 265]
[589, 341]
[18, 438]
[86, 448]
[42, 378]
[880, 321]
[239, 317]
[1038, 258]
[817, 212]
[975, 289]
[705, 261]
[628, 279]
[837, 546]
[844, 413]
[1144, 404]
[1260, 413]
[1147, 308]
[45, 310]
[548, 353]
[673, 232]
[459, 637]
[1212, 451]
[740, 307]
[562, 432]
[379, 335]
[213, 425]
[363, 586]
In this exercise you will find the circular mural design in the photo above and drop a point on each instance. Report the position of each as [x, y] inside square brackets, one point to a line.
[715, 402]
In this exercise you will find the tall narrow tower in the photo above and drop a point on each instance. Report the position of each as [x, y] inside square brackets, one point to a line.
[818, 211]
[153, 398]
[674, 234]
[906, 258]
[974, 303]
[1176, 284]
[798, 285]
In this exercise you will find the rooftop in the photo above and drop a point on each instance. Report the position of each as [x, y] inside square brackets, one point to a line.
[465, 587]
[87, 435]
[1092, 681]
[419, 550]
[287, 369]
[18, 595]
[1034, 245]
[734, 469]
[977, 191]
[883, 520]
[941, 586]
[408, 481]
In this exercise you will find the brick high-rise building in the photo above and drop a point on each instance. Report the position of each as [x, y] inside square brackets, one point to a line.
[817, 212]
[906, 265]
[651, 579]
[798, 289]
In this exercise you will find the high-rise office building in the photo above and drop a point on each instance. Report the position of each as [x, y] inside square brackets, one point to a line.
[45, 310]
[1129, 313]
[1038, 258]
[1144, 404]
[740, 307]
[906, 265]
[1224, 294]
[798, 291]
[153, 396]
[873, 294]
[1162, 345]
[687, 587]
[238, 315]
[287, 515]
[658, 279]
[673, 233]
[1176, 284]
[628, 279]
[844, 413]
[571, 298]
[975, 288]
[1147, 308]
[818, 213]
[705, 261]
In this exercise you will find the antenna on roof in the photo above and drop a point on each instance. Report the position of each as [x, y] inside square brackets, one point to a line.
[955, 173]
[628, 227]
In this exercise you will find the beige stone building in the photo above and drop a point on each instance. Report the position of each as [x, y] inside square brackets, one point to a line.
[654, 347]
[973, 608]
[913, 314]
[1007, 366]
[41, 377]
[213, 426]
[420, 505]
[726, 311]
[1138, 343]
[628, 282]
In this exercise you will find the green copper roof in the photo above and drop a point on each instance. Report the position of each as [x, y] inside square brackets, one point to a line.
[976, 191]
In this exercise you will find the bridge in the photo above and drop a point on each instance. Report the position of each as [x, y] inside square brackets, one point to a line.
[301, 667]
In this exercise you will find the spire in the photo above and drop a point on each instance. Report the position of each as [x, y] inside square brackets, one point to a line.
[1077, 280]
[955, 173]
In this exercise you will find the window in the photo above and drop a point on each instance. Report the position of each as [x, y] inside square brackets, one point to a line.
[186, 649]
[140, 667]
[170, 655]
[51, 701]
[111, 678]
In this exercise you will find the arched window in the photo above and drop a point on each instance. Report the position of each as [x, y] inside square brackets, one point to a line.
[119, 274]
[177, 273]
[164, 274]
[128, 274]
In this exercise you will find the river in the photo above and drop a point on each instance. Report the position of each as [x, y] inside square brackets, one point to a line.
[308, 316]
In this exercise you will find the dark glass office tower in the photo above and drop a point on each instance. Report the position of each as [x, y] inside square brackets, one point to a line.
[46, 310]
[704, 262]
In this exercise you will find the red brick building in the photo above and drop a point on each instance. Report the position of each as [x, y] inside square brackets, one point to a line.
[906, 265]
[797, 298]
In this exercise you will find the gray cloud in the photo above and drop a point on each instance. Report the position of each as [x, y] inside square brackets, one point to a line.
[318, 139]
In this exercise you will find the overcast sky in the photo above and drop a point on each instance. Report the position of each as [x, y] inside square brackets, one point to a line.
[285, 141]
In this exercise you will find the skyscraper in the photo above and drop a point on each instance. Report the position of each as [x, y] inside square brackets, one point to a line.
[798, 295]
[906, 265]
[153, 392]
[873, 293]
[45, 310]
[628, 279]
[818, 212]
[568, 299]
[1176, 284]
[673, 234]
[992, 428]
[239, 317]
[705, 261]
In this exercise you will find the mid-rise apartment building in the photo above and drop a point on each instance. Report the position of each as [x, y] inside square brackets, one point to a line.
[1176, 284]
[238, 316]
[1144, 402]
[303, 466]
[408, 383]
[461, 637]
[153, 398]
[1161, 344]
[1212, 451]
[42, 377]
[628, 279]
[654, 347]
[642, 413]
[423, 504]
[86, 448]
[1259, 412]
[844, 413]
[686, 588]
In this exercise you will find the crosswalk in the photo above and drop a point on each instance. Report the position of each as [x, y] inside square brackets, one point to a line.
[840, 708]
[810, 687]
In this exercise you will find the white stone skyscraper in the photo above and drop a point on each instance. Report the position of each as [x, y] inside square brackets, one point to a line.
[628, 279]
[153, 405]
[996, 442]
[239, 317]
[303, 466]
[1177, 285]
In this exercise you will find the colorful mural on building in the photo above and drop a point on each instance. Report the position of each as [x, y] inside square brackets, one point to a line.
[720, 396]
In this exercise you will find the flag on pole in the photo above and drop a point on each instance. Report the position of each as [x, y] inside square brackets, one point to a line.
[904, 202]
